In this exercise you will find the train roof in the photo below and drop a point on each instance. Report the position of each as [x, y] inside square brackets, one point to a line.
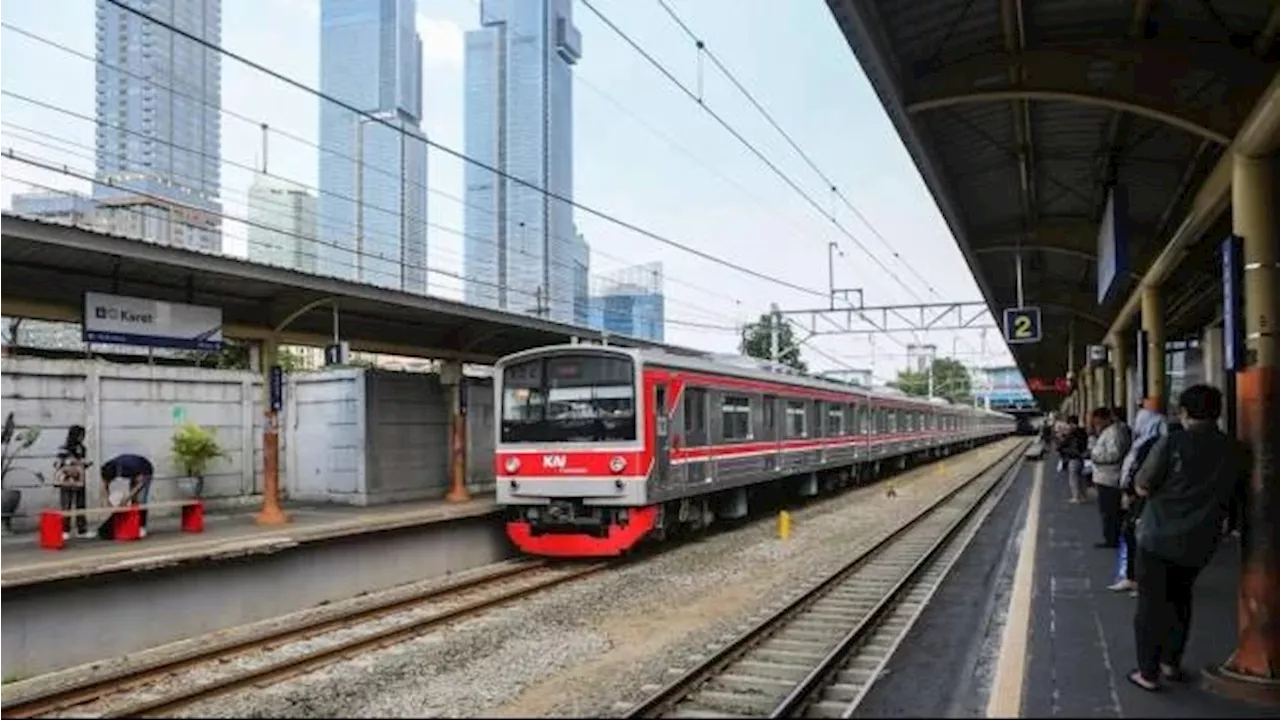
[752, 369]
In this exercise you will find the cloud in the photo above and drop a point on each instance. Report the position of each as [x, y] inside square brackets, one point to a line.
[441, 41]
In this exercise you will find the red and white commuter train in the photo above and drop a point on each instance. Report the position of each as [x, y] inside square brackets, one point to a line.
[600, 447]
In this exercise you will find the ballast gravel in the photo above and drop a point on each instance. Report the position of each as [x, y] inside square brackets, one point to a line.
[589, 647]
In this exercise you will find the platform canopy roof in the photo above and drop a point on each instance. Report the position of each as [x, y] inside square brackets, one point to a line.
[48, 267]
[1021, 115]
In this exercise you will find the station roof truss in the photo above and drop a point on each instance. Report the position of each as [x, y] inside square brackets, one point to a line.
[1021, 115]
[48, 267]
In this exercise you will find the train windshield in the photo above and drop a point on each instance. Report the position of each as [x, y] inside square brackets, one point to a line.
[569, 398]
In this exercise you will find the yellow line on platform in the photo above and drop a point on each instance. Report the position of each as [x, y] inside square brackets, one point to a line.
[1006, 691]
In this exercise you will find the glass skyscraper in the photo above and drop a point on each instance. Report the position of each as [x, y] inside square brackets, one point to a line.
[630, 303]
[282, 224]
[159, 125]
[522, 251]
[372, 214]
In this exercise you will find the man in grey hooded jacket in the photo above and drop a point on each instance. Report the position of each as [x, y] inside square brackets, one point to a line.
[1108, 453]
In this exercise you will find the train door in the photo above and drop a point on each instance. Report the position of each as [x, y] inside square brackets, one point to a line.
[769, 428]
[661, 447]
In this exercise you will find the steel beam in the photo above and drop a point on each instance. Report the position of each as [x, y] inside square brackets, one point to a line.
[1260, 135]
[16, 307]
[1140, 78]
[886, 319]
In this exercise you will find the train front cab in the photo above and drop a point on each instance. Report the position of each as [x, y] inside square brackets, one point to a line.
[570, 457]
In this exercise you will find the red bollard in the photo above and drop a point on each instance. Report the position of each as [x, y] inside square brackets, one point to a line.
[193, 518]
[127, 524]
[51, 530]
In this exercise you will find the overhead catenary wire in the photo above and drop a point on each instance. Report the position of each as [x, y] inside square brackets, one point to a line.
[697, 99]
[457, 154]
[319, 217]
[64, 170]
[787, 179]
[699, 287]
[741, 88]
[729, 75]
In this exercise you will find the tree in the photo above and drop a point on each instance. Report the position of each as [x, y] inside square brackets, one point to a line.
[756, 343]
[950, 381]
[235, 356]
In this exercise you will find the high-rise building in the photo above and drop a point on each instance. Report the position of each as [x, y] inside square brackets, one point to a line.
[159, 122]
[60, 206]
[373, 176]
[282, 224]
[522, 251]
[631, 303]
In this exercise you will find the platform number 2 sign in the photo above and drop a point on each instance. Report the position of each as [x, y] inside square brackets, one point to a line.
[1022, 325]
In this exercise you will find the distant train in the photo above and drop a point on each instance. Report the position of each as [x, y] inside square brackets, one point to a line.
[600, 447]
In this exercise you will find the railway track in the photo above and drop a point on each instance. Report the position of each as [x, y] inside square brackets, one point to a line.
[819, 654]
[164, 687]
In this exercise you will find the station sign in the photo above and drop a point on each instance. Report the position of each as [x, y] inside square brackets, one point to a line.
[1232, 304]
[1097, 355]
[1058, 384]
[1022, 325]
[1113, 243]
[337, 353]
[123, 320]
[276, 376]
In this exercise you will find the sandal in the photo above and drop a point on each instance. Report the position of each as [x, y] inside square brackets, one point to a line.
[1135, 677]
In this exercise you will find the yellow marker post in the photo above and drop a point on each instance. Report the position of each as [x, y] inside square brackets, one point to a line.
[784, 524]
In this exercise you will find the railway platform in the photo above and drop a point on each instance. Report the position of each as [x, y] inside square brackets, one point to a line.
[1079, 643]
[226, 535]
[233, 573]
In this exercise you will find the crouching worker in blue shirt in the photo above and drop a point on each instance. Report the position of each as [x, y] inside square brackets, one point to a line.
[138, 471]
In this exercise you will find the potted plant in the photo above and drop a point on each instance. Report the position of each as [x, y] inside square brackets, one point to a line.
[194, 448]
[12, 442]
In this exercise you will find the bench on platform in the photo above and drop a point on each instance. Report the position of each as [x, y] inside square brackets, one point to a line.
[126, 522]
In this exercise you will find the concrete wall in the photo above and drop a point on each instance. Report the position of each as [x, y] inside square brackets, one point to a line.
[480, 427]
[51, 627]
[135, 409]
[324, 435]
[355, 436]
[370, 436]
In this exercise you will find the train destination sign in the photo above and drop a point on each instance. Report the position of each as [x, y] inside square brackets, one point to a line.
[1022, 325]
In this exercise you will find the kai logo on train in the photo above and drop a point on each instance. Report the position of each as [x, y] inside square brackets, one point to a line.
[554, 462]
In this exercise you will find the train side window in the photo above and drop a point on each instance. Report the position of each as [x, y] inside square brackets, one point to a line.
[835, 420]
[797, 427]
[695, 416]
[735, 415]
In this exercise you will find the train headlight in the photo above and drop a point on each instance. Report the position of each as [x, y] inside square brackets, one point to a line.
[512, 465]
[618, 464]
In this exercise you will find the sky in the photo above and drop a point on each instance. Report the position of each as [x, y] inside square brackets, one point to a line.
[644, 152]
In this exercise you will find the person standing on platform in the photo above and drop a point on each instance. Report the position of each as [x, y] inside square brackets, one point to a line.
[139, 472]
[1108, 453]
[1072, 449]
[1148, 426]
[69, 476]
[1187, 481]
